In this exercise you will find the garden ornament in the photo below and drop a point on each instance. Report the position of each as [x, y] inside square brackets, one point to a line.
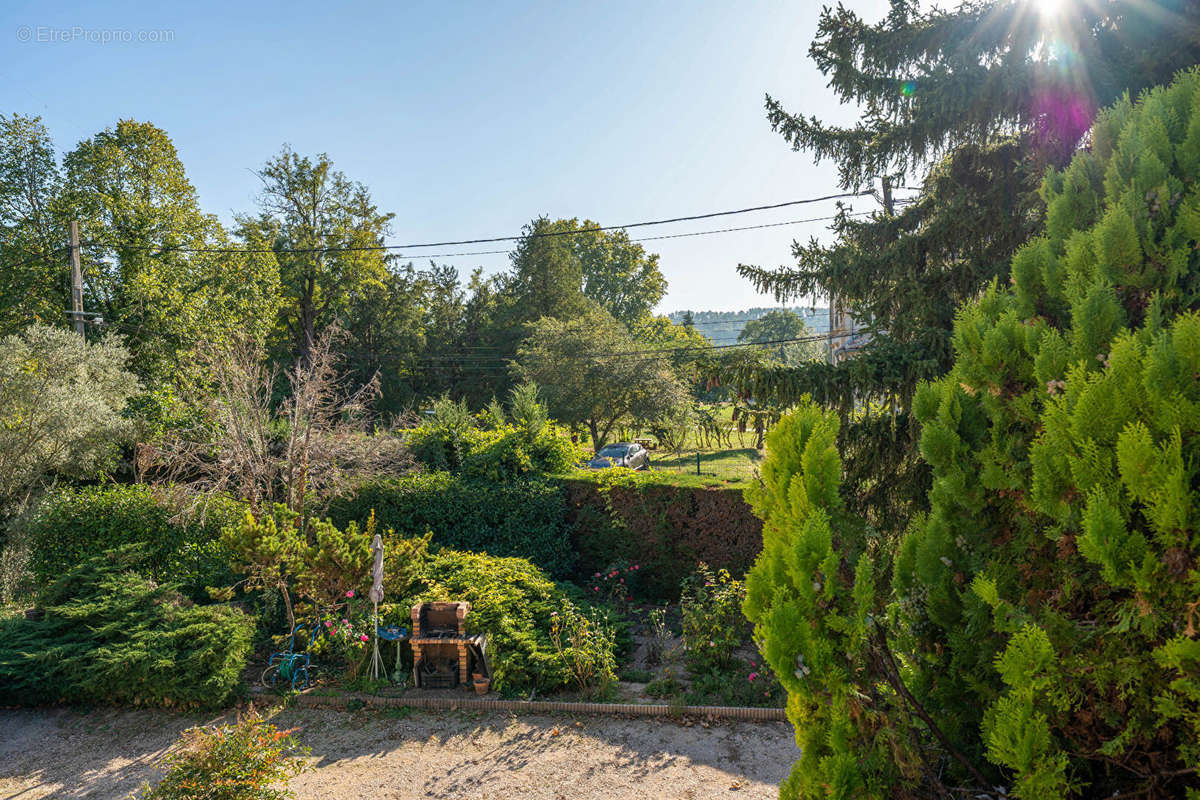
[394, 633]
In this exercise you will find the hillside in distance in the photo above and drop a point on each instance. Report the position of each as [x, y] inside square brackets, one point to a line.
[723, 327]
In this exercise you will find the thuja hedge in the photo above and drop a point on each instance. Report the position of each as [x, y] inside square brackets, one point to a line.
[620, 516]
[73, 524]
[520, 517]
[111, 635]
[571, 526]
[1037, 634]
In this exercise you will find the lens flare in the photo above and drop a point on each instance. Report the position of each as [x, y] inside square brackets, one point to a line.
[908, 88]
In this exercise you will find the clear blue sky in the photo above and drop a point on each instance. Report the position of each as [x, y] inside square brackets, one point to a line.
[466, 120]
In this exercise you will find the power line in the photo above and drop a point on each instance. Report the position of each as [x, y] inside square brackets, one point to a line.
[648, 354]
[667, 236]
[38, 257]
[490, 240]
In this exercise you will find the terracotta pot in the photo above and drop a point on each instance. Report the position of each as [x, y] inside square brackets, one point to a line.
[482, 685]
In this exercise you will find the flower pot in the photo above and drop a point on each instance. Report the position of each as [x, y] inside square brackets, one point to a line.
[482, 685]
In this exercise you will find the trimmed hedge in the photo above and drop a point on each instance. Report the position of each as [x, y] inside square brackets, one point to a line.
[511, 599]
[72, 525]
[524, 518]
[110, 635]
[666, 530]
[573, 526]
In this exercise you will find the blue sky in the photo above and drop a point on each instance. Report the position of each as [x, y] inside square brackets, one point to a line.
[465, 119]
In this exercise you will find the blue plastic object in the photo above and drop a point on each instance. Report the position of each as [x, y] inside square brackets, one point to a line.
[391, 633]
[289, 665]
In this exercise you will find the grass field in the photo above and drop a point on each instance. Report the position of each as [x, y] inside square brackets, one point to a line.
[733, 468]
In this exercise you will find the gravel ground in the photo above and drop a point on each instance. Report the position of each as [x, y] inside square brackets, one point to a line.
[399, 755]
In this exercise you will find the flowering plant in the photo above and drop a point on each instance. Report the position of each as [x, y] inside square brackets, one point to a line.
[249, 760]
[585, 643]
[713, 625]
[345, 634]
[614, 585]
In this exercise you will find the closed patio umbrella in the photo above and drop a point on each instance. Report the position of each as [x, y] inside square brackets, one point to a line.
[376, 596]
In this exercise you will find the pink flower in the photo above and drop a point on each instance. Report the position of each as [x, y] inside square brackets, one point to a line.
[595, 588]
[362, 636]
[753, 664]
[597, 575]
[350, 593]
[334, 630]
[327, 623]
[635, 566]
[753, 675]
[345, 621]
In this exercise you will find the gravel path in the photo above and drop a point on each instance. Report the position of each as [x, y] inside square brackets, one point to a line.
[399, 755]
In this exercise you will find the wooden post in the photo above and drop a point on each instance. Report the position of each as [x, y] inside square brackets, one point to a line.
[76, 282]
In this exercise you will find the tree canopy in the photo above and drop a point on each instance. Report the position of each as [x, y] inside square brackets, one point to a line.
[973, 103]
[592, 373]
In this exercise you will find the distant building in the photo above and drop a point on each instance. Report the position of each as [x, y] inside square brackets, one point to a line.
[845, 337]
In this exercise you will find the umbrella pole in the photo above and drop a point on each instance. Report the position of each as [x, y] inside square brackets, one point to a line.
[376, 659]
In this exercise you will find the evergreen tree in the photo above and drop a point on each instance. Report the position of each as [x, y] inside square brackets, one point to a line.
[985, 97]
[1039, 628]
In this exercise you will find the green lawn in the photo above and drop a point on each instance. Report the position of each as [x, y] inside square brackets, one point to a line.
[736, 466]
[733, 468]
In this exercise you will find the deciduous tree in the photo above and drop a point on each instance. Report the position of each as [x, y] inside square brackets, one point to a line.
[592, 373]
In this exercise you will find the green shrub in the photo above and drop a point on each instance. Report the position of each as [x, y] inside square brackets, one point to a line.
[111, 635]
[1037, 629]
[713, 625]
[665, 688]
[71, 525]
[636, 675]
[586, 644]
[511, 600]
[739, 684]
[249, 760]
[507, 452]
[439, 442]
[520, 518]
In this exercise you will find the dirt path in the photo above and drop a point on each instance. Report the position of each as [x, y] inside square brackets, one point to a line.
[394, 755]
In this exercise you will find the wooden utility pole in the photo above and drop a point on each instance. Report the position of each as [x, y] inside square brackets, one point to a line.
[888, 205]
[76, 282]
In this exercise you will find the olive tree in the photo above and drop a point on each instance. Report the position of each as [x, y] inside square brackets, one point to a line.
[61, 404]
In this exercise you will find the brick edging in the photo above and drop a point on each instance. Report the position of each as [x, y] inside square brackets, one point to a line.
[341, 701]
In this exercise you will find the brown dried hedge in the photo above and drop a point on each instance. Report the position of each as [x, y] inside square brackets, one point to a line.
[665, 530]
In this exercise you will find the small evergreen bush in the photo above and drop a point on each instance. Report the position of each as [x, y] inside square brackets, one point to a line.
[1038, 629]
[112, 635]
[439, 442]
